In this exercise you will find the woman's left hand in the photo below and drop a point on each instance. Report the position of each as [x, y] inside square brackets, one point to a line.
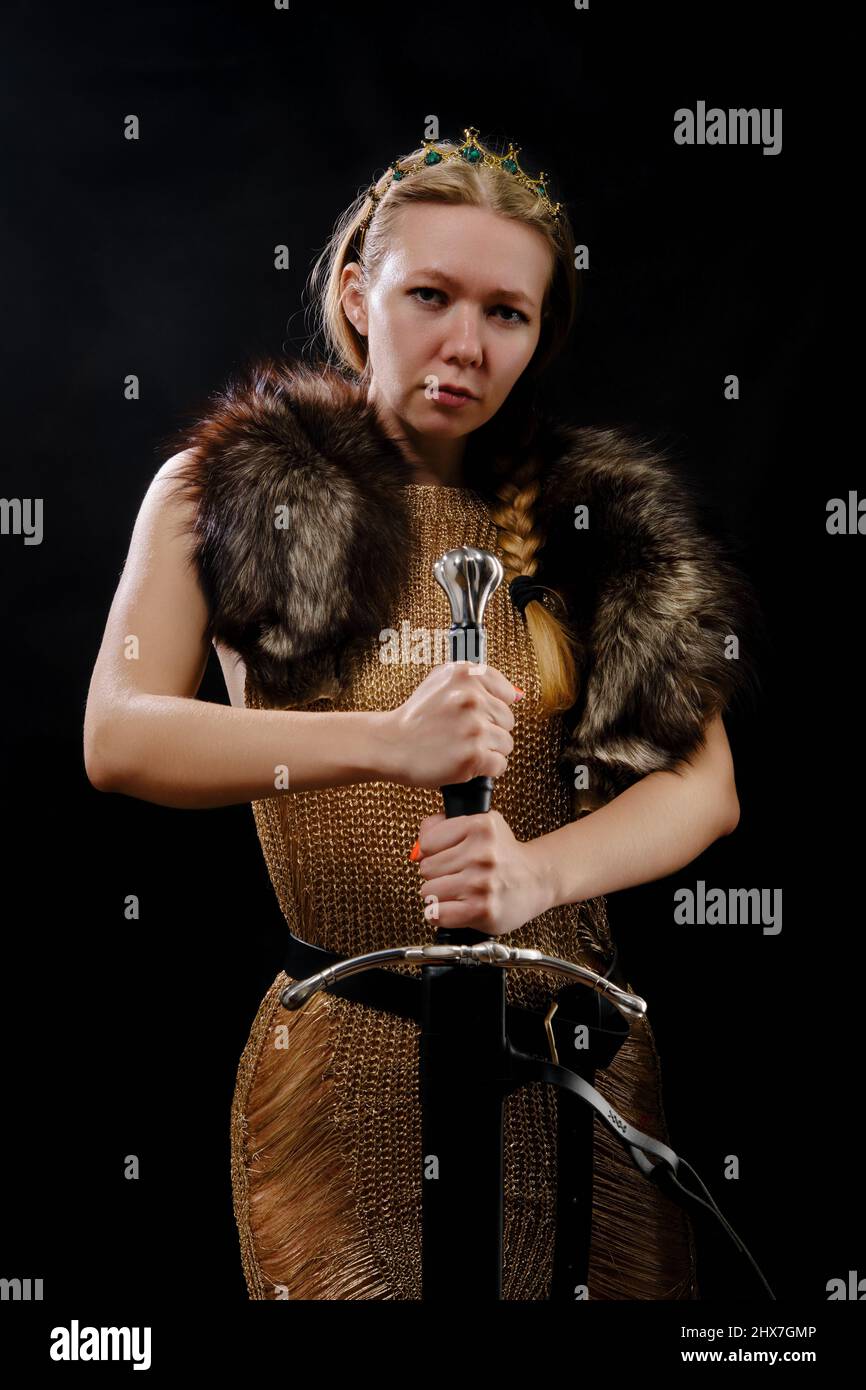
[476, 874]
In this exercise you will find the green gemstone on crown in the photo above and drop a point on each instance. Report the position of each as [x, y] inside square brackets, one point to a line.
[473, 155]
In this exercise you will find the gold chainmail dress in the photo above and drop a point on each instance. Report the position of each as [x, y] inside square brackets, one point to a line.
[326, 1119]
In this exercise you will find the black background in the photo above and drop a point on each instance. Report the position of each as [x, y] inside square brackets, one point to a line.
[155, 257]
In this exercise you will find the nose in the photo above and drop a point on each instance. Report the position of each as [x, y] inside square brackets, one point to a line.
[463, 340]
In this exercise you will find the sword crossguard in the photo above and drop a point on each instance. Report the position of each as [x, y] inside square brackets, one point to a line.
[488, 952]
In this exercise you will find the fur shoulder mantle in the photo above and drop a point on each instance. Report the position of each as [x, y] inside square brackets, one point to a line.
[654, 597]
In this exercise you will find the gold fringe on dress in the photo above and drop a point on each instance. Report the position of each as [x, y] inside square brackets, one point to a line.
[294, 1173]
[642, 1241]
[295, 1214]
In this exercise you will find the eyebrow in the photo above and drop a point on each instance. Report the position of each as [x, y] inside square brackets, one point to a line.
[433, 274]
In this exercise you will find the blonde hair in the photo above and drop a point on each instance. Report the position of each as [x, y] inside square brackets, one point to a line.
[514, 484]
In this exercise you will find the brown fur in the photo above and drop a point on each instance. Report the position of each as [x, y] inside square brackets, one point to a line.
[651, 594]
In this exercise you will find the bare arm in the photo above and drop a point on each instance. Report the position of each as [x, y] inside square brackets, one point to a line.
[145, 733]
[650, 830]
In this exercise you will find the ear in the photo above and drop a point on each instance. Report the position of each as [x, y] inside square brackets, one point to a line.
[353, 298]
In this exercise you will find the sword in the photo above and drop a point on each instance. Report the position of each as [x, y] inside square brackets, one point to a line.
[462, 1043]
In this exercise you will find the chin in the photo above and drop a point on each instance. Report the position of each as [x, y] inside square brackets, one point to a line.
[426, 418]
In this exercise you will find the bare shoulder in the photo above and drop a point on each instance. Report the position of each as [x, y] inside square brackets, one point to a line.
[175, 487]
[170, 505]
[177, 477]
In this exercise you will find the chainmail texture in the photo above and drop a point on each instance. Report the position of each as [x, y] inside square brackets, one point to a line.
[326, 1119]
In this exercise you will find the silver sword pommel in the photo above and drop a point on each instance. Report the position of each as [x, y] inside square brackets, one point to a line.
[469, 576]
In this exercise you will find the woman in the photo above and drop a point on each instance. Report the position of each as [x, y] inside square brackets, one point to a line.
[317, 500]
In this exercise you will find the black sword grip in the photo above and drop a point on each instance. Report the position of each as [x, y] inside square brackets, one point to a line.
[470, 798]
[467, 798]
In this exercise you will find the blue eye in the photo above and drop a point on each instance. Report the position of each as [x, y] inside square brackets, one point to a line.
[509, 309]
[425, 289]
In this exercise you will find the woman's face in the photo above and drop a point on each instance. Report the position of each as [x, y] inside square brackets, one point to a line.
[457, 302]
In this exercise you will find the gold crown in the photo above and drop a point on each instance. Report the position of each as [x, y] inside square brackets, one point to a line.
[473, 152]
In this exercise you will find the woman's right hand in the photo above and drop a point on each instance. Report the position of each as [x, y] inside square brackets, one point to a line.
[456, 725]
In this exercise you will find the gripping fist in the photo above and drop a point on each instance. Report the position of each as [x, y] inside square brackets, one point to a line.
[476, 874]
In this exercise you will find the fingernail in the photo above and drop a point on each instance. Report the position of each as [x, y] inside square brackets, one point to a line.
[520, 693]
[415, 851]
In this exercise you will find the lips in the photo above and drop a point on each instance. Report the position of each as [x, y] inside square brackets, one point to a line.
[455, 390]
